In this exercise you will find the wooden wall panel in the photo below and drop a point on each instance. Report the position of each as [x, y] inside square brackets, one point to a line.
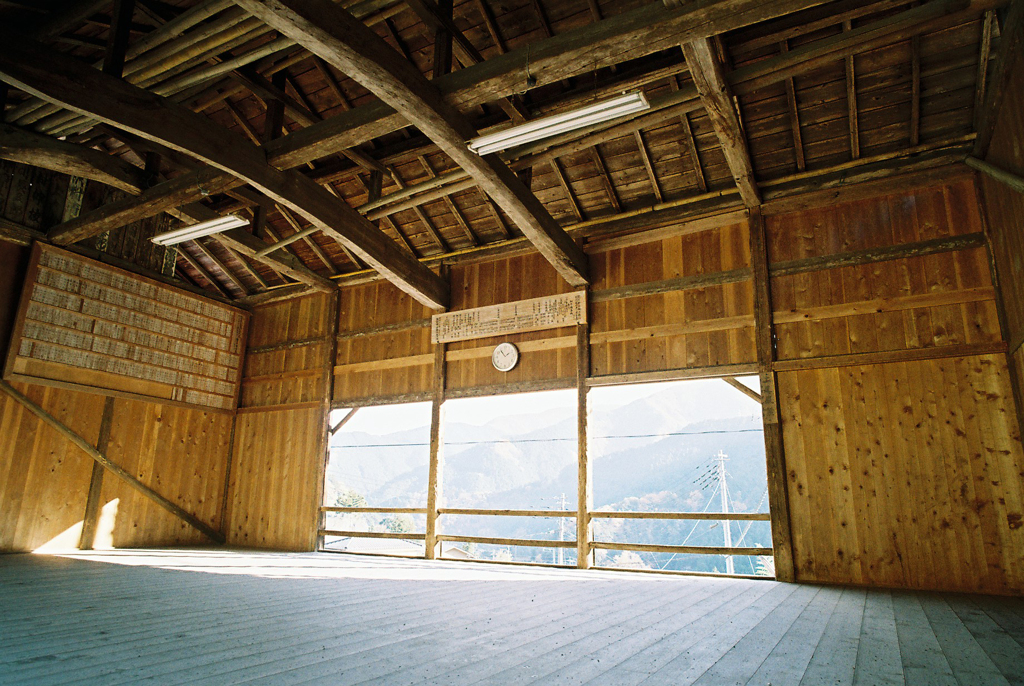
[917, 302]
[690, 327]
[546, 356]
[1004, 208]
[923, 300]
[280, 442]
[179, 452]
[44, 478]
[275, 477]
[906, 474]
[384, 346]
[905, 217]
[285, 358]
[13, 262]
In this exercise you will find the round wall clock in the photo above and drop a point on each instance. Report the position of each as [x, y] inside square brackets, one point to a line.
[505, 357]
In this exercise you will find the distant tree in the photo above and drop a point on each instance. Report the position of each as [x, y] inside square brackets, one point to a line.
[349, 521]
[503, 555]
[350, 498]
[397, 524]
[628, 559]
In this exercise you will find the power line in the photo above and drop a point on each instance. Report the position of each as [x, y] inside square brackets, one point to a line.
[551, 440]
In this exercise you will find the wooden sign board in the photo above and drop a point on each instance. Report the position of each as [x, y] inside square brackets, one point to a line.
[86, 325]
[549, 312]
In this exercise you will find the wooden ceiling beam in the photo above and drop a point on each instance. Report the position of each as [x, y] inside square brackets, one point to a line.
[663, 108]
[221, 267]
[62, 79]
[851, 100]
[645, 157]
[37, 150]
[794, 115]
[452, 207]
[201, 270]
[709, 78]
[630, 35]
[283, 262]
[465, 53]
[1009, 53]
[346, 43]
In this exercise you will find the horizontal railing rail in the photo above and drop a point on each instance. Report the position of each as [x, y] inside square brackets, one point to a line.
[687, 549]
[707, 516]
[506, 513]
[373, 534]
[534, 543]
[376, 510]
[526, 542]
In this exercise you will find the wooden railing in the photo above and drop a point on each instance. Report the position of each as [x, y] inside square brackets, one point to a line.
[533, 543]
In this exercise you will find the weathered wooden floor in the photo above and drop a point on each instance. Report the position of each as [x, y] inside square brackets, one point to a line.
[226, 617]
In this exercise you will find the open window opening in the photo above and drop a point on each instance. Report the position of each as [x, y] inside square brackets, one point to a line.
[687, 460]
[375, 485]
[509, 461]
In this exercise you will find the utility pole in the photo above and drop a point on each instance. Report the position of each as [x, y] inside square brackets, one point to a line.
[561, 533]
[721, 458]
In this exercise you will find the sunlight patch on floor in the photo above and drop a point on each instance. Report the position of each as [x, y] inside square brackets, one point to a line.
[339, 566]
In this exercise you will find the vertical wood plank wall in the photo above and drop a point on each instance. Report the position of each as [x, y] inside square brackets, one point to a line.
[902, 472]
[44, 478]
[279, 432]
[889, 359]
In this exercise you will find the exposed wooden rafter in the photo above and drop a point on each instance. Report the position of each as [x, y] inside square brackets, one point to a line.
[346, 43]
[627, 36]
[81, 88]
[1009, 53]
[709, 78]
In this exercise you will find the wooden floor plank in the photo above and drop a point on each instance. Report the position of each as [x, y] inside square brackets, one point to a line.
[878, 657]
[835, 656]
[970, 664]
[757, 644]
[219, 616]
[924, 663]
[1004, 651]
[789, 659]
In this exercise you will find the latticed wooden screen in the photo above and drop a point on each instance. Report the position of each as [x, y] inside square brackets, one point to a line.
[88, 325]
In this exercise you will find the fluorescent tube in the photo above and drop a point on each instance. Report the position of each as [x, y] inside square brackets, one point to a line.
[557, 124]
[193, 231]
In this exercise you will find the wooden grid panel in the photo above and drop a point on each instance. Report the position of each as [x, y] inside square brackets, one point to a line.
[88, 325]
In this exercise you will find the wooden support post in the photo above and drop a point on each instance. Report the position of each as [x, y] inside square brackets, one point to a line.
[851, 100]
[92, 503]
[225, 495]
[330, 360]
[435, 478]
[443, 41]
[117, 41]
[103, 460]
[782, 539]
[1004, 325]
[584, 490]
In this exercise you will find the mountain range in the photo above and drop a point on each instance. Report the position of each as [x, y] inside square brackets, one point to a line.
[654, 453]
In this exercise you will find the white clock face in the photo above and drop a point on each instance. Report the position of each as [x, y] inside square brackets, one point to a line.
[505, 357]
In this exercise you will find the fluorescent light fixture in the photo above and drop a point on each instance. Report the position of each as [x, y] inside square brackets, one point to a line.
[556, 124]
[193, 231]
